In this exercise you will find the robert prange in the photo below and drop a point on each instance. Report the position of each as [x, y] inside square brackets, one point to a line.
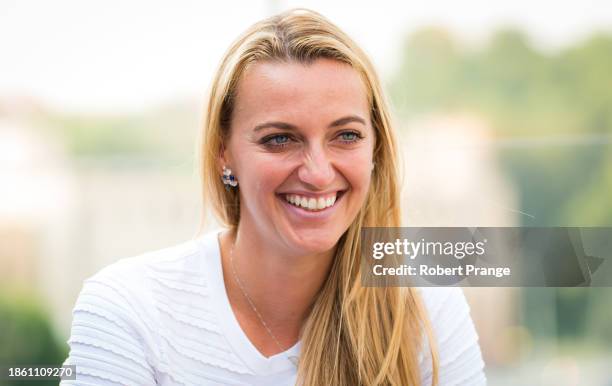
[437, 270]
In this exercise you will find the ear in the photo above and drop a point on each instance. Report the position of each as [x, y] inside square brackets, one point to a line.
[224, 158]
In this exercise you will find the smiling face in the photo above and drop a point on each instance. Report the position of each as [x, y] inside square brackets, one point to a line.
[301, 146]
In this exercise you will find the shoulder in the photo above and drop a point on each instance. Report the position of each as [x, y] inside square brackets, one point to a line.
[456, 339]
[133, 271]
[136, 286]
[441, 301]
[125, 288]
[115, 334]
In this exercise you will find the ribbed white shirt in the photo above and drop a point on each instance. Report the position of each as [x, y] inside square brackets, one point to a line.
[163, 318]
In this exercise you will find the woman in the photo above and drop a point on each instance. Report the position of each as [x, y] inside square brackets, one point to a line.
[298, 156]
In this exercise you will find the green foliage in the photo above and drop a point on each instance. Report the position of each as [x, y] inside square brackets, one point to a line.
[521, 90]
[524, 93]
[27, 338]
[592, 204]
[158, 134]
[101, 136]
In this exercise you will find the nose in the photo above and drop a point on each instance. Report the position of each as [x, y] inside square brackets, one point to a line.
[316, 170]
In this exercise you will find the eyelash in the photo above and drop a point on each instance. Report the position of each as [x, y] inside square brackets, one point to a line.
[268, 140]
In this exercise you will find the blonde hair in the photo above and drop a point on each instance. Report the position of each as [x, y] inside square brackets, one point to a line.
[354, 335]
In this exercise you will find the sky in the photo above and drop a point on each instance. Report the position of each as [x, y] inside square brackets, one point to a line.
[123, 56]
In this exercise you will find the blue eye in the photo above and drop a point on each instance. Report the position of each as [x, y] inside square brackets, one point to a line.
[277, 140]
[350, 136]
[280, 139]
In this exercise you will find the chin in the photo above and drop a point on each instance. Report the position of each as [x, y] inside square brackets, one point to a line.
[316, 243]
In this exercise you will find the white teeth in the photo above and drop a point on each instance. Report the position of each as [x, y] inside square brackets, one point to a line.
[311, 203]
[321, 203]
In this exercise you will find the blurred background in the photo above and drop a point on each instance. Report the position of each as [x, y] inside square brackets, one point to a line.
[504, 111]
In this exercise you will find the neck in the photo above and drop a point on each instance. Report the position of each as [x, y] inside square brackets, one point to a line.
[282, 285]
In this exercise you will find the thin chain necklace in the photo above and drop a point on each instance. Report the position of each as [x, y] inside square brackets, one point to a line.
[248, 298]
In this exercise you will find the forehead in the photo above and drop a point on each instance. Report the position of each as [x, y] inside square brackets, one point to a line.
[321, 90]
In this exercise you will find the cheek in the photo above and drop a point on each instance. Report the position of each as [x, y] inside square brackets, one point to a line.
[261, 175]
[357, 171]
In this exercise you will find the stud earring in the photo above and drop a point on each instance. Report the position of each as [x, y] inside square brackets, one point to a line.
[229, 180]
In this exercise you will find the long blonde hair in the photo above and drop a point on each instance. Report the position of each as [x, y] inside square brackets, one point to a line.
[354, 335]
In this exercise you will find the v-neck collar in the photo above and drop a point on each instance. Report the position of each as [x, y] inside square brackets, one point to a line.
[236, 337]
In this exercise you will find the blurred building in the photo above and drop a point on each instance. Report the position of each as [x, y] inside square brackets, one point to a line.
[452, 178]
[62, 221]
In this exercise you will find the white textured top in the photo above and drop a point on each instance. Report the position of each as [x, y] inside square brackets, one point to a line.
[163, 318]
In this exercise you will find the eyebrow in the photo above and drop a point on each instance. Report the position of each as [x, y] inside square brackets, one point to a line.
[287, 126]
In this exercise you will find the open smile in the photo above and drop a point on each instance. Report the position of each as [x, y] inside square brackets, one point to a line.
[311, 206]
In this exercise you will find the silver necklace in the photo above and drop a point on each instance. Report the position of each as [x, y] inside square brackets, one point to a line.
[293, 359]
